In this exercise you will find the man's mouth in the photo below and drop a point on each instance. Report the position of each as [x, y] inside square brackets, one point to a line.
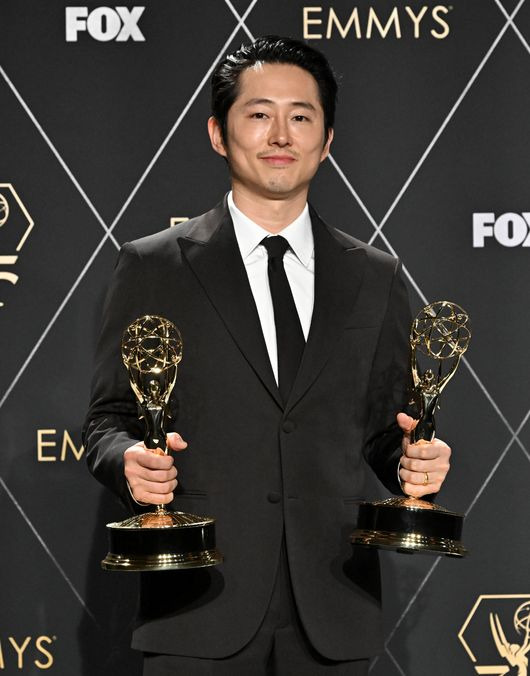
[278, 160]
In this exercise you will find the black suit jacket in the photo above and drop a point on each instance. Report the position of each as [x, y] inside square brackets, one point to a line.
[257, 466]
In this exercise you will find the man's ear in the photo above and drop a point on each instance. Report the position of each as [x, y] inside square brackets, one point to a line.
[327, 145]
[216, 136]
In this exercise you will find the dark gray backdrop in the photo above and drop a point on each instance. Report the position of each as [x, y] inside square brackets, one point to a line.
[104, 140]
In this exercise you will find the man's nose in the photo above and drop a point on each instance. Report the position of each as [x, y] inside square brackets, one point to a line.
[279, 133]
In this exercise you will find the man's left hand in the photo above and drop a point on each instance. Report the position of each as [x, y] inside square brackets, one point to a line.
[424, 465]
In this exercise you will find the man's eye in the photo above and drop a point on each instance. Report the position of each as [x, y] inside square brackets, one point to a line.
[258, 116]
[300, 118]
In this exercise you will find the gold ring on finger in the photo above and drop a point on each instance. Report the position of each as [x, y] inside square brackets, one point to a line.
[425, 478]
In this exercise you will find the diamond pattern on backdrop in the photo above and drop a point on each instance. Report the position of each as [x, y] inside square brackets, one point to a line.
[395, 176]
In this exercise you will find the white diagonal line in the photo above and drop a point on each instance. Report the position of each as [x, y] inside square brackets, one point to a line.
[353, 191]
[395, 662]
[182, 115]
[240, 19]
[373, 222]
[495, 406]
[413, 599]
[523, 448]
[409, 606]
[497, 464]
[57, 155]
[445, 123]
[47, 550]
[52, 321]
[514, 27]
[120, 213]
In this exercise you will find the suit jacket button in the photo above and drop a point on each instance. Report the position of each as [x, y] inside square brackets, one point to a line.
[288, 426]
[274, 497]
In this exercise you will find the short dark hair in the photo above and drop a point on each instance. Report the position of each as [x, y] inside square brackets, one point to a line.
[272, 49]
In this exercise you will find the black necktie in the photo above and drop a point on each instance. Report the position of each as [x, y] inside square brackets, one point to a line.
[289, 335]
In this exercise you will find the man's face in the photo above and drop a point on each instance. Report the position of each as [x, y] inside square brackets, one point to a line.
[275, 132]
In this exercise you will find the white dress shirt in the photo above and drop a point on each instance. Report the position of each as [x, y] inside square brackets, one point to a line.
[299, 264]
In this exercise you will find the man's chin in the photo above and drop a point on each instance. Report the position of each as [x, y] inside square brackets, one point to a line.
[280, 189]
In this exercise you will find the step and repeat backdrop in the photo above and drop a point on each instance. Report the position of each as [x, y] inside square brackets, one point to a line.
[103, 140]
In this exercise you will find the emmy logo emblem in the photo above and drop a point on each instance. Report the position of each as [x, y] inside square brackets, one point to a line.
[407, 524]
[513, 653]
[160, 540]
[4, 210]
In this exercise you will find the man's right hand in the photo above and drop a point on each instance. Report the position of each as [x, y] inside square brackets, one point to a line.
[152, 475]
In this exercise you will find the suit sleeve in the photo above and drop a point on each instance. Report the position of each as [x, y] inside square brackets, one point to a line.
[389, 388]
[112, 423]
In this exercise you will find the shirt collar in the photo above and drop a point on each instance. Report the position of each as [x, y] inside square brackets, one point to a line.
[249, 234]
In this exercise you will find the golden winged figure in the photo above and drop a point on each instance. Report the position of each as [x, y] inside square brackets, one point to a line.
[514, 653]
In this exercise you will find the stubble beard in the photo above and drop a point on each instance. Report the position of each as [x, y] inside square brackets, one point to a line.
[279, 185]
[276, 186]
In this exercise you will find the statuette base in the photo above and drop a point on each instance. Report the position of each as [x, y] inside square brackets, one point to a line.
[409, 525]
[161, 540]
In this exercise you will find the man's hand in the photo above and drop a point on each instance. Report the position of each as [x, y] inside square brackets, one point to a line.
[424, 465]
[151, 474]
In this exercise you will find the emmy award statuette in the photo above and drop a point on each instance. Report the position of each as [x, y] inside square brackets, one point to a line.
[407, 524]
[159, 540]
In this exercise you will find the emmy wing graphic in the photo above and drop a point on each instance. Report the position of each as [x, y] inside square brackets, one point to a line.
[514, 653]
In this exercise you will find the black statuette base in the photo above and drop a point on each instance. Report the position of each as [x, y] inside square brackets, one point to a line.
[182, 541]
[409, 525]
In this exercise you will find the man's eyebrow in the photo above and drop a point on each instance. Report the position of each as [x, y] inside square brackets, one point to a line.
[303, 104]
[295, 104]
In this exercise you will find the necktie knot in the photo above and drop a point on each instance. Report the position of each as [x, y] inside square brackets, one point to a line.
[276, 246]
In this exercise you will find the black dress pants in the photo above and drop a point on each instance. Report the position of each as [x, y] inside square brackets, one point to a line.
[279, 648]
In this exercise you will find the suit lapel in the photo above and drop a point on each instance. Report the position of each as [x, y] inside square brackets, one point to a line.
[213, 254]
[339, 270]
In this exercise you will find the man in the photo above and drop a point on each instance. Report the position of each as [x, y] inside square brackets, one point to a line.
[295, 366]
